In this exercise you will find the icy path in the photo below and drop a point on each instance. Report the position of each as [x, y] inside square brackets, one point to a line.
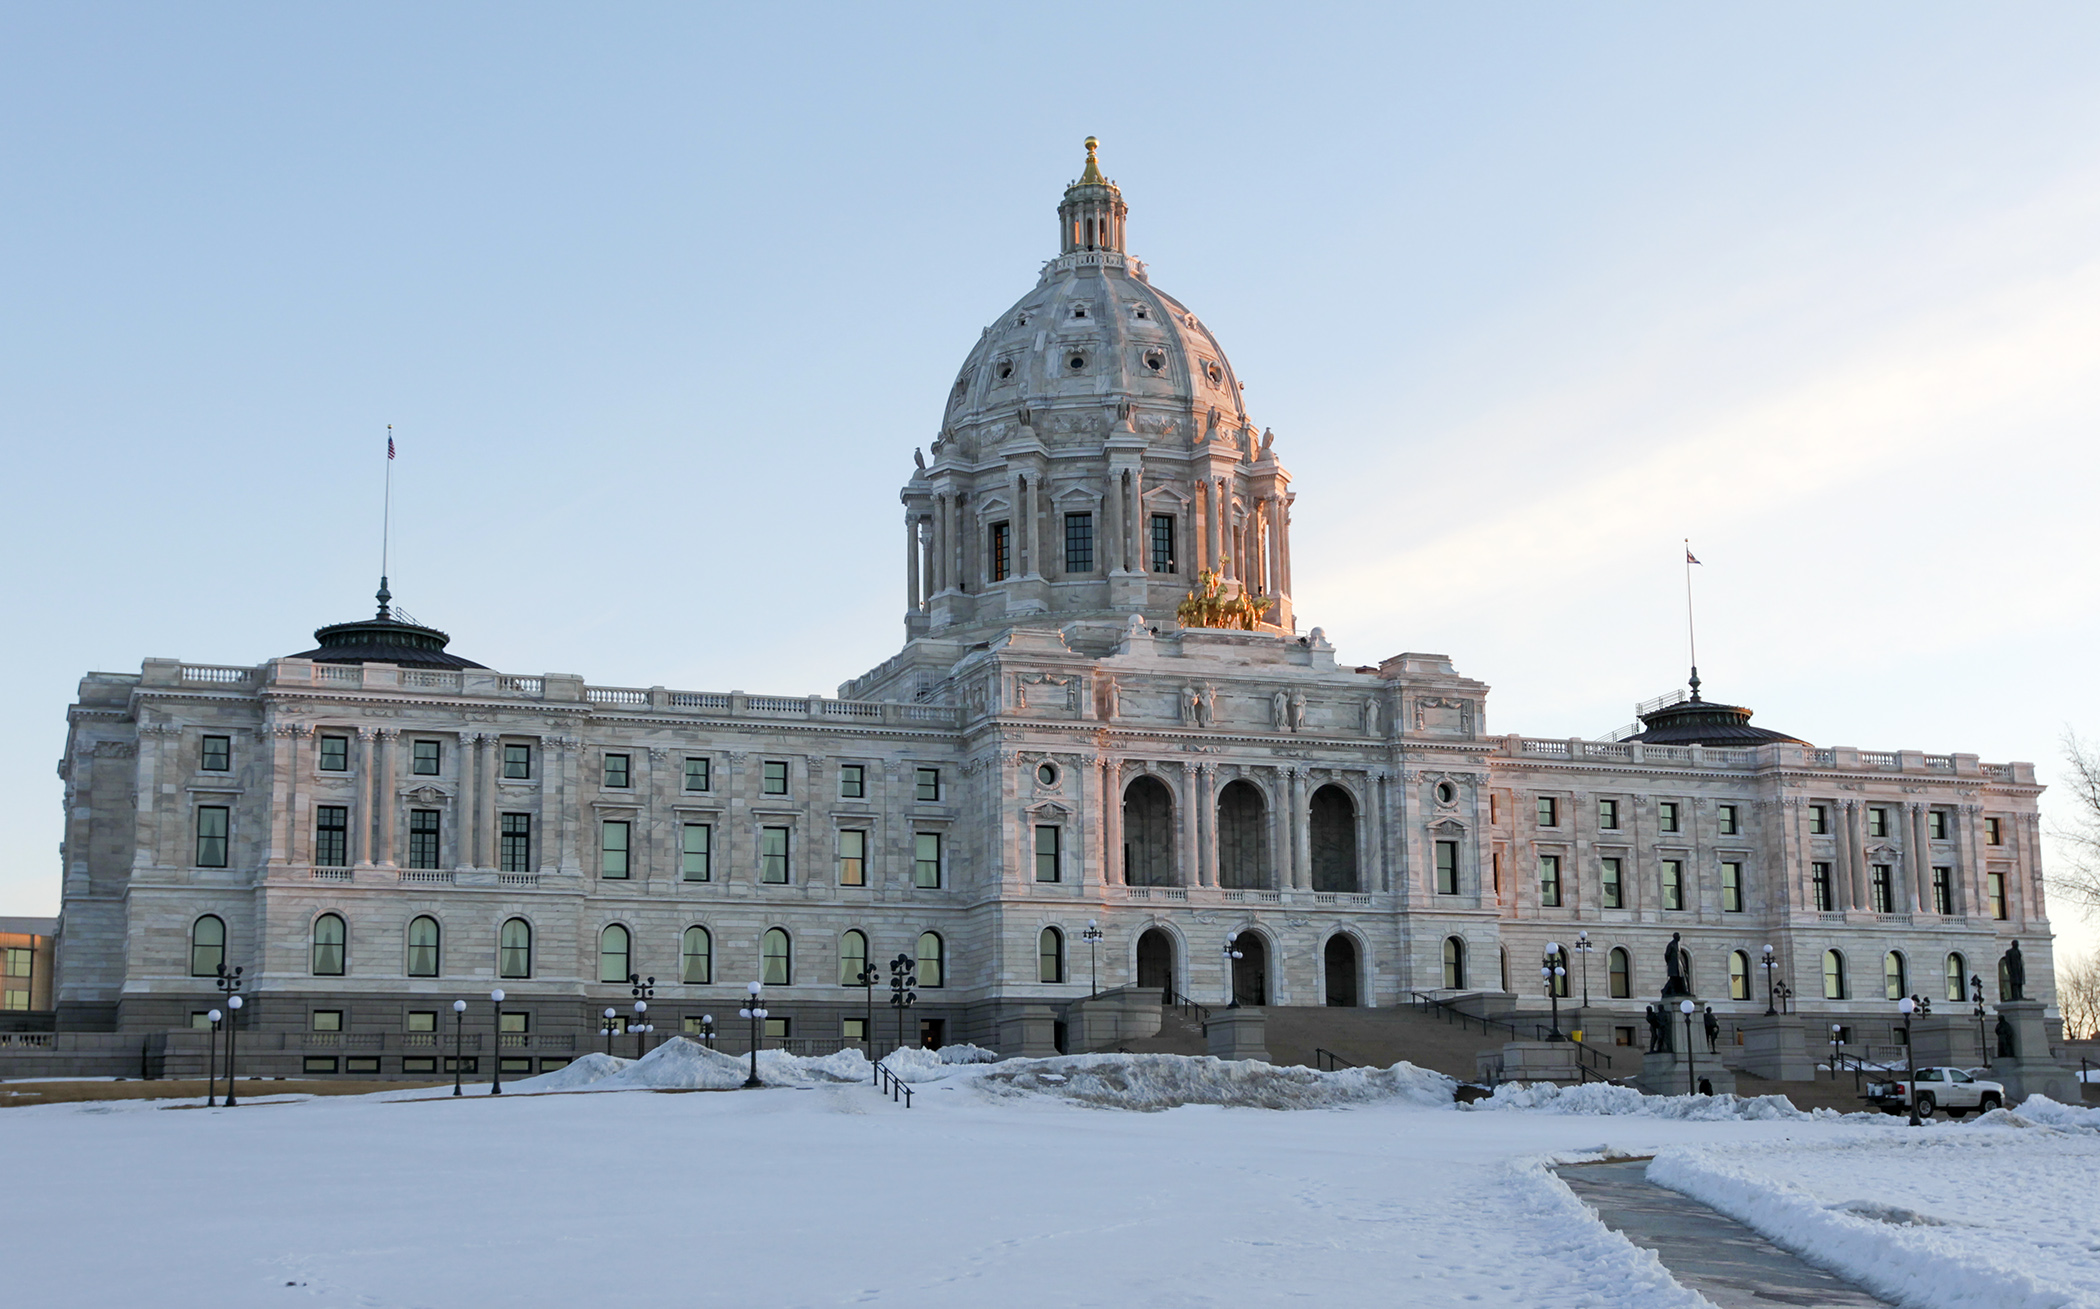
[826, 1196]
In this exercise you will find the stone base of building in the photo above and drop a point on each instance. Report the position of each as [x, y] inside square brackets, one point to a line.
[1775, 1047]
[1029, 1032]
[1529, 1061]
[1670, 1073]
[1238, 1034]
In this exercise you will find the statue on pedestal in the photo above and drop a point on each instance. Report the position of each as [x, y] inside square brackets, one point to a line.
[1658, 1030]
[2013, 969]
[1673, 961]
[2007, 1046]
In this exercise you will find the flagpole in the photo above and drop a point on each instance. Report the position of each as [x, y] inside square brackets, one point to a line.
[1691, 631]
[386, 523]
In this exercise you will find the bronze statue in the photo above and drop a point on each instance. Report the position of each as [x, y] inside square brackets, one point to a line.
[2006, 1043]
[2014, 970]
[1713, 1031]
[1673, 960]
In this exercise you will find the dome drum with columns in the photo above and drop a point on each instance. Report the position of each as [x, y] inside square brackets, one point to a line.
[1094, 458]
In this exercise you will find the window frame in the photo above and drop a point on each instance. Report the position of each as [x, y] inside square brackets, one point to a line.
[1939, 825]
[1618, 973]
[507, 954]
[920, 863]
[215, 747]
[850, 976]
[771, 860]
[1820, 889]
[616, 771]
[316, 961]
[214, 849]
[686, 955]
[686, 853]
[322, 754]
[1993, 830]
[331, 835]
[609, 868]
[426, 831]
[1994, 892]
[784, 957]
[852, 863]
[1548, 811]
[1549, 882]
[1607, 815]
[773, 777]
[1881, 887]
[705, 774]
[853, 781]
[1728, 820]
[418, 756]
[625, 954]
[999, 546]
[1819, 820]
[1738, 975]
[219, 961]
[436, 947]
[1445, 853]
[1671, 871]
[1955, 969]
[1835, 983]
[1877, 820]
[1732, 894]
[1079, 542]
[1611, 881]
[1055, 854]
[517, 762]
[1669, 816]
[514, 843]
[925, 785]
[1895, 975]
[1943, 889]
[1050, 957]
[939, 972]
[1160, 545]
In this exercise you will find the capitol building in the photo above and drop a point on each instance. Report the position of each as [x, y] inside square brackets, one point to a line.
[1108, 744]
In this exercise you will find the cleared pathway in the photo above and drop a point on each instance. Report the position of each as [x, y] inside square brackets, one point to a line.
[1712, 1254]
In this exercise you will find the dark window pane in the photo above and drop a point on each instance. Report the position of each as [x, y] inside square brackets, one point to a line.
[926, 863]
[773, 855]
[218, 754]
[331, 836]
[1002, 551]
[927, 784]
[696, 775]
[212, 823]
[616, 773]
[425, 757]
[423, 838]
[516, 851]
[1079, 543]
[612, 851]
[774, 777]
[517, 761]
[853, 782]
[335, 754]
[1162, 543]
[696, 853]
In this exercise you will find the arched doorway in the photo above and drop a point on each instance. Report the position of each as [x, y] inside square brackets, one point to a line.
[1148, 833]
[1341, 971]
[1155, 959]
[1250, 972]
[1333, 820]
[1243, 837]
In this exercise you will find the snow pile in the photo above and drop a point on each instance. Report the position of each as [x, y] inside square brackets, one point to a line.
[2041, 1111]
[969, 1054]
[1935, 1220]
[915, 1064]
[1165, 1081]
[682, 1065]
[1606, 1099]
[587, 1071]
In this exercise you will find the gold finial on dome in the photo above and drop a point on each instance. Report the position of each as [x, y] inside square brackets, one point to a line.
[1092, 176]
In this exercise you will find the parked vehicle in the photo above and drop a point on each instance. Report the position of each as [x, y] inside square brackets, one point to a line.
[1952, 1089]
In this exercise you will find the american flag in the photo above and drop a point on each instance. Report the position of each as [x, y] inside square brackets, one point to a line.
[1689, 557]
[390, 441]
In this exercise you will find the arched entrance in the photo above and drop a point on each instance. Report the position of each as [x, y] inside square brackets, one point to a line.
[1333, 820]
[1341, 971]
[1250, 972]
[1243, 837]
[1155, 959]
[1148, 833]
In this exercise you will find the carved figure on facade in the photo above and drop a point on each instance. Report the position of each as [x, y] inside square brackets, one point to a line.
[1191, 704]
[1371, 715]
[1112, 699]
[1280, 711]
[1207, 706]
[1297, 711]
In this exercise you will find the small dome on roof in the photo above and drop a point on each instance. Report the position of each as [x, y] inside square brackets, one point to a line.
[384, 639]
[1692, 721]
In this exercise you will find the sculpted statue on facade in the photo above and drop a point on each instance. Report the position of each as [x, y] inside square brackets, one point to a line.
[1371, 716]
[1280, 711]
[1207, 706]
[1297, 711]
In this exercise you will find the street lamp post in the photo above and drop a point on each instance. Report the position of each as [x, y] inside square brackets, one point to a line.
[1583, 948]
[606, 1028]
[1786, 994]
[870, 973]
[1551, 971]
[1906, 1006]
[1837, 1049]
[707, 1030]
[904, 975]
[1691, 1051]
[229, 985]
[754, 1009]
[1232, 975]
[1092, 937]
[1771, 987]
[1982, 1039]
[459, 1042]
[644, 990]
[496, 1064]
[211, 1066]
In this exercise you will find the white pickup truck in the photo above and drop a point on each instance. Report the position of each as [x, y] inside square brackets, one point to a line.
[1938, 1088]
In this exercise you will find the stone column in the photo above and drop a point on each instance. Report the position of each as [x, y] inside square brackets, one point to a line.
[1283, 542]
[389, 789]
[549, 822]
[1187, 856]
[1920, 860]
[1134, 527]
[1381, 859]
[911, 560]
[1854, 844]
[936, 543]
[1206, 825]
[1301, 833]
[1035, 527]
[1968, 868]
[1203, 518]
[367, 787]
[1111, 822]
[283, 757]
[463, 808]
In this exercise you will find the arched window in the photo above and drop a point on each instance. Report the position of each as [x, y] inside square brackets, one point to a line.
[1620, 966]
[776, 959]
[612, 954]
[1331, 818]
[1957, 978]
[328, 945]
[1738, 975]
[1833, 975]
[853, 958]
[1050, 956]
[1454, 964]
[696, 957]
[423, 947]
[932, 957]
[207, 946]
[514, 949]
[1894, 985]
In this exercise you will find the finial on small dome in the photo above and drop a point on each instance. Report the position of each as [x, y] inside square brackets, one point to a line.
[1092, 175]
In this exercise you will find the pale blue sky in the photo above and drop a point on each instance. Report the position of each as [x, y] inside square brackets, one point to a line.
[660, 298]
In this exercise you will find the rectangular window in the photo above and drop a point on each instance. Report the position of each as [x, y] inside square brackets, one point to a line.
[853, 782]
[773, 775]
[1495, 867]
[698, 775]
[1731, 888]
[422, 1020]
[1162, 543]
[517, 762]
[773, 855]
[1819, 820]
[612, 850]
[1819, 880]
[1725, 818]
[1608, 815]
[419, 1064]
[361, 1063]
[20, 962]
[926, 784]
[1943, 890]
[1994, 887]
[335, 754]
[211, 836]
[1549, 811]
[777, 1029]
[1994, 831]
[1666, 815]
[926, 859]
[853, 857]
[1447, 868]
[218, 754]
[1673, 883]
[853, 1029]
[422, 838]
[1877, 822]
[467, 1065]
[317, 1063]
[516, 1022]
[15, 1000]
[1048, 867]
[1549, 880]
[1079, 543]
[1002, 551]
[332, 836]
[1884, 889]
[425, 757]
[696, 852]
[618, 775]
[1936, 824]
[515, 851]
[1614, 897]
[328, 1020]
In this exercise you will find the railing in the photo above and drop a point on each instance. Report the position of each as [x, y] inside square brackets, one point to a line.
[698, 700]
[429, 680]
[1327, 1061]
[351, 673]
[344, 1040]
[615, 695]
[423, 877]
[888, 1083]
[1877, 758]
[1646, 707]
[38, 1039]
[522, 685]
[216, 673]
[1942, 762]
[776, 704]
[1341, 897]
[1188, 1008]
[517, 879]
[851, 709]
[2000, 771]
[1449, 1011]
[929, 713]
[328, 874]
[1822, 756]
[1254, 897]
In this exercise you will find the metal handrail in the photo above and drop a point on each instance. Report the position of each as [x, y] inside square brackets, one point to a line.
[1447, 1010]
[888, 1083]
[1327, 1061]
[1168, 996]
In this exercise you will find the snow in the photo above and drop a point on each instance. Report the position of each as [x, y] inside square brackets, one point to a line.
[1016, 1182]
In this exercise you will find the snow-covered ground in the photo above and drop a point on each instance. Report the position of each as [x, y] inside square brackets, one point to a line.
[1020, 1183]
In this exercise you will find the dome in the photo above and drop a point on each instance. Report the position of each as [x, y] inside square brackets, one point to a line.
[1692, 721]
[384, 639]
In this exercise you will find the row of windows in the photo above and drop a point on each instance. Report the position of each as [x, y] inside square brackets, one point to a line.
[1079, 545]
[1939, 823]
[1619, 982]
[1882, 888]
[1669, 815]
[1612, 886]
[1895, 977]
